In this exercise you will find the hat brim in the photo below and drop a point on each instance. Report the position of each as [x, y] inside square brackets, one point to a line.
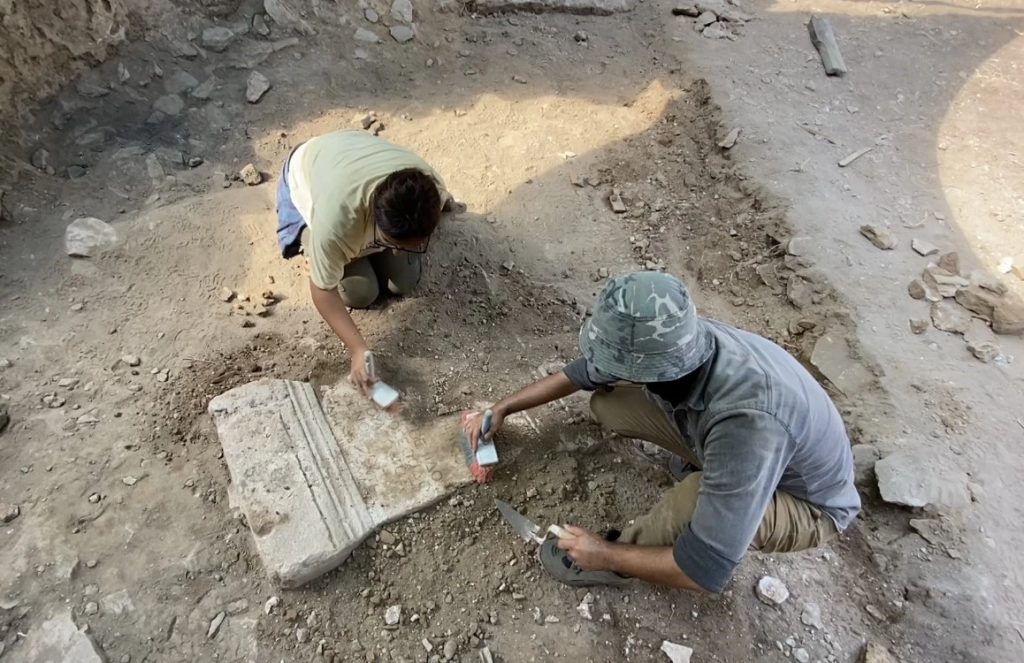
[646, 368]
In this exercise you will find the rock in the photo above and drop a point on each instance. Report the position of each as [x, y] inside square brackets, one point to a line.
[578, 7]
[928, 529]
[772, 591]
[256, 87]
[918, 289]
[810, 615]
[729, 140]
[948, 317]
[364, 35]
[831, 356]
[302, 635]
[180, 82]
[123, 75]
[676, 653]
[250, 175]
[876, 654]
[401, 11]
[922, 478]
[519, 79]
[580, 36]
[371, 15]
[75, 172]
[205, 90]
[1005, 265]
[984, 280]
[92, 608]
[978, 300]
[402, 33]
[170, 105]
[922, 247]
[615, 201]
[950, 262]
[87, 420]
[9, 512]
[91, 90]
[919, 325]
[387, 538]
[87, 236]
[393, 615]
[59, 640]
[879, 236]
[799, 291]
[584, 607]
[131, 360]
[272, 603]
[129, 481]
[824, 40]
[117, 603]
[259, 25]
[799, 246]
[215, 624]
[1008, 318]
[943, 281]
[716, 31]
[706, 19]
[282, 14]
[217, 39]
[451, 647]
[41, 159]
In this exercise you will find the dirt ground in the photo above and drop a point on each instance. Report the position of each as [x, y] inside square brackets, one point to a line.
[533, 120]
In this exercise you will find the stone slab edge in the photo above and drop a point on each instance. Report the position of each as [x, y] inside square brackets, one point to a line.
[281, 422]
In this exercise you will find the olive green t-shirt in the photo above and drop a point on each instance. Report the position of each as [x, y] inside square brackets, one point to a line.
[331, 178]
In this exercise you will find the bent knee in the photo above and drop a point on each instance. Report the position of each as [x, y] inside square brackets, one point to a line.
[359, 294]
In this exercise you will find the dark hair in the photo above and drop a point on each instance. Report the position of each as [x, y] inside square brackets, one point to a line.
[407, 205]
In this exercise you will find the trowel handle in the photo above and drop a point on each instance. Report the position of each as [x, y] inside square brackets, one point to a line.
[485, 425]
[561, 532]
[371, 365]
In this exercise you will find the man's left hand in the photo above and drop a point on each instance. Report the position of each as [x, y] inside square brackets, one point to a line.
[588, 550]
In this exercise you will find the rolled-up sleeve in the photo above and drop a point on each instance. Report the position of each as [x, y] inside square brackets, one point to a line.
[584, 376]
[745, 454]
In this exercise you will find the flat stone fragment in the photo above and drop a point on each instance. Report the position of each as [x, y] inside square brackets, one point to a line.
[1008, 318]
[676, 653]
[402, 33]
[256, 87]
[922, 478]
[772, 591]
[881, 237]
[831, 356]
[949, 317]
[578, 7]
[921, 247]
[87, 236]
[57, 640]
[312, 480]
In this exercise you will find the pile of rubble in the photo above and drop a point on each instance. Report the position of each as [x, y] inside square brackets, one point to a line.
[714, 19]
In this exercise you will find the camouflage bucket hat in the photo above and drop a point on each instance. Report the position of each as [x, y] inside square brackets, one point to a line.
[645, 329]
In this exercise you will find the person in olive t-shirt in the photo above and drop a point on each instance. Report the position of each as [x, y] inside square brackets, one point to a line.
[362, 211]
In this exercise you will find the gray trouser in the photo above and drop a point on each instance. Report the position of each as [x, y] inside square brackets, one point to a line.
[399, 271]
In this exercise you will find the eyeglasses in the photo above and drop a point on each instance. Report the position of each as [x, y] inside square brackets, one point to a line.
[380, 243]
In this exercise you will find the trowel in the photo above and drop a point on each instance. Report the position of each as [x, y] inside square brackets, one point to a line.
[526, 528]
[382, 394]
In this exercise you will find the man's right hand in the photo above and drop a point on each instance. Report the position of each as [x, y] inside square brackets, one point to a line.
[359, 376]
[473, 420]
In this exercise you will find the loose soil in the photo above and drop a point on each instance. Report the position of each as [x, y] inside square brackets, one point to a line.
[507, 282]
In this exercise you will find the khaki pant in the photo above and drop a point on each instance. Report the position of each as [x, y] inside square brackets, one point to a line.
[398, 271]
[789, 524]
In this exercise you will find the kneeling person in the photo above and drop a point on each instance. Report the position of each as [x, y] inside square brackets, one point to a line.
[770, 463]
[362, 211]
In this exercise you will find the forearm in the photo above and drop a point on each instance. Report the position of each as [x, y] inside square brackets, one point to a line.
[549, 389]
[653, 564]
[334, 312]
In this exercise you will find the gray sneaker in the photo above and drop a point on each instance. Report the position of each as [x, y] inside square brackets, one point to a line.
[563, 569]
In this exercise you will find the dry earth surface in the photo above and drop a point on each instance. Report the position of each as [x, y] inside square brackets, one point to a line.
[115, 496]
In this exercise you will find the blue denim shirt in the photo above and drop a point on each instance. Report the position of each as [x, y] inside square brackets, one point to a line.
[758, 422]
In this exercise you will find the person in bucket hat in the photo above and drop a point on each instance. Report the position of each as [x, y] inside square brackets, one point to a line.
[759, 451]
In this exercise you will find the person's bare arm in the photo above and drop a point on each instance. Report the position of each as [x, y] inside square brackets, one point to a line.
[653, 564]
[543, 391]
[334, 312]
